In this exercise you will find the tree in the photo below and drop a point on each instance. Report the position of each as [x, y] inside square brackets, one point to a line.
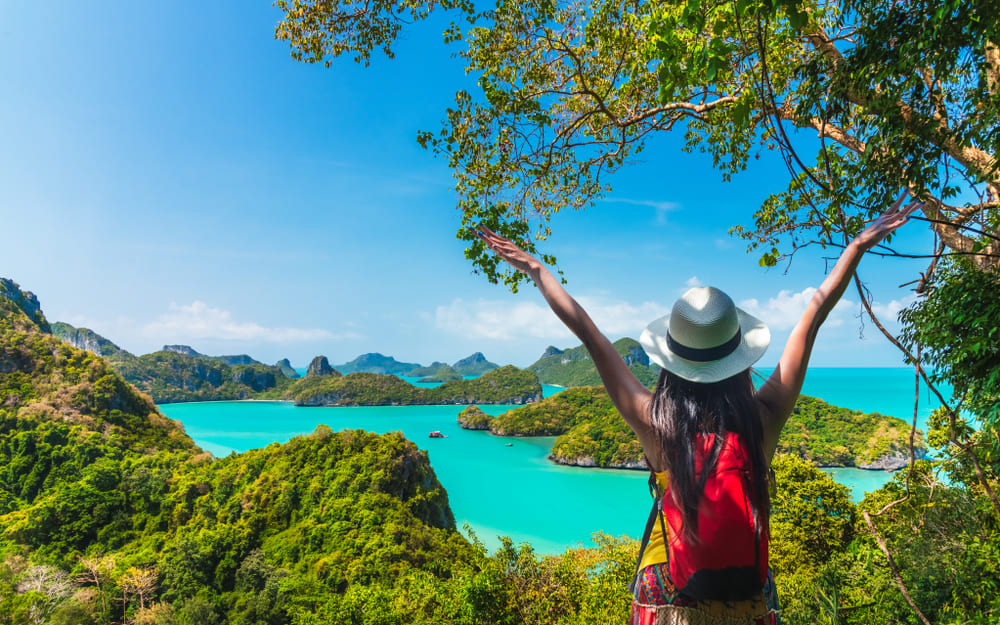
[136, 582]
[97, 568]
[812, 516]
[862, 98]
[49, 585]
[897, 94]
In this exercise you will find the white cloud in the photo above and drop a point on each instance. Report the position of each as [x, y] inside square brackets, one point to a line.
[887, 313]
[200, 321]
[661, 207]
[512, 320]
[692, 282]
[784, 310]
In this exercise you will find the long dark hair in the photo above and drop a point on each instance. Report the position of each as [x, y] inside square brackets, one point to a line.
[682, 409]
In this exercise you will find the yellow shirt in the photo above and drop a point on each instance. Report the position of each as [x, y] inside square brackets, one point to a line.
[655, 552]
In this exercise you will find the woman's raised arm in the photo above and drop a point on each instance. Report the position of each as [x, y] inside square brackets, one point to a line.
[630, 397]
[778, 395]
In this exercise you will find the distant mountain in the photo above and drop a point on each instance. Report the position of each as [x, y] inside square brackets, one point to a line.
[476, 364]
[185, 350]
[377, 363]
[431, 369]
[286, 369]
[85, 338]
[573, 367]
[232, 360]
[436, 372]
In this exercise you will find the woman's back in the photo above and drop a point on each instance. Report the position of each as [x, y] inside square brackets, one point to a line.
[708, 345]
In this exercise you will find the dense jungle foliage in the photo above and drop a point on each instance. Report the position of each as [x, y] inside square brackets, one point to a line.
[828, 435]
[573, 367]
[506, 385]
[110, 515]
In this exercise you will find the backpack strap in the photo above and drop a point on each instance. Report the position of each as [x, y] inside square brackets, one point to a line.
[657, 511]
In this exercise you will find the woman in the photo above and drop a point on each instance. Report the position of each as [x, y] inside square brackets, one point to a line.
[705, 413]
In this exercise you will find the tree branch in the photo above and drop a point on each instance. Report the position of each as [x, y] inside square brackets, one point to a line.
[892, 567]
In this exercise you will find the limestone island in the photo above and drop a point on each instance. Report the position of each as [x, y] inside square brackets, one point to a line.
[473, 418]
[591, 433]
[506, 385]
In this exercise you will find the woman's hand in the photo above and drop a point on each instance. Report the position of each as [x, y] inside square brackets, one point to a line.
[778, 395]
[628, 394]
[508, 250]
[887, 222]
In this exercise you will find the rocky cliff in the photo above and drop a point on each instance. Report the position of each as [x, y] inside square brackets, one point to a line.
[24, 301]
[184, 350]
[85, 338]
[320, 367]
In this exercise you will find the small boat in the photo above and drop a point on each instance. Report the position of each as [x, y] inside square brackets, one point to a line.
[437, 434]
[509, 445]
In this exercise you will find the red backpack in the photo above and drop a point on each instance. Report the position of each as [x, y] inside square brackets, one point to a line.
[727, 562]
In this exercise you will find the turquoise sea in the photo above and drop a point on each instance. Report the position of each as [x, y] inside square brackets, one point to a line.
[507, 486]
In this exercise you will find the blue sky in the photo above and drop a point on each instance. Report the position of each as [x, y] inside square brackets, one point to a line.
[168, 174]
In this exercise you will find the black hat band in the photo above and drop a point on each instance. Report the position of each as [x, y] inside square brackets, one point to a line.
[708, 354]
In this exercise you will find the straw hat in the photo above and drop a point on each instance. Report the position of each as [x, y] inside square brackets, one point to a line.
[706, 338]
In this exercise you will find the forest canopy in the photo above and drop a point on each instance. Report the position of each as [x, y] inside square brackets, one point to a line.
[899, 95]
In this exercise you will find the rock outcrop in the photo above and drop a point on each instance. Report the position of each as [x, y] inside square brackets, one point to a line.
[319, 367]
[257, 379]
[184, 350]
[893, 461]
[85, 338]
[26, 302]
[588, 461]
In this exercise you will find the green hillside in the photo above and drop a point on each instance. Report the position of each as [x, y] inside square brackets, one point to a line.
[124, 519]
[573, 367]
[172, 377]
[474, 364]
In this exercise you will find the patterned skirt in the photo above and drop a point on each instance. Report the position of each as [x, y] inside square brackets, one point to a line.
[657, 602]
